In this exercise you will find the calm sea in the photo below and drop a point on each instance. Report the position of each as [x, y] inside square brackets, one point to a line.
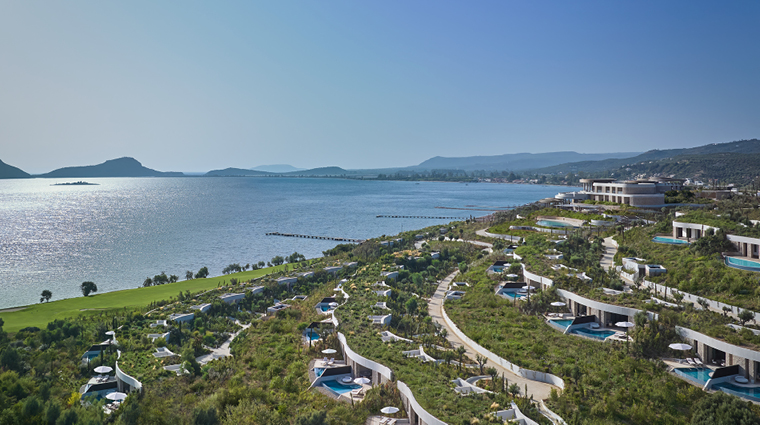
[124, 230]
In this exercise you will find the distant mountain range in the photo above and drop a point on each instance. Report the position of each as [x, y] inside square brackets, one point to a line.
[11, 172]
[739, 147]
[121, 167]
[277, 168]
[238, 172]
[734, 160]
[514, 161]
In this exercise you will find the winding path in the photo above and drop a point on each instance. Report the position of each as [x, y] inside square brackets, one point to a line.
[539, 390]
[610, 249]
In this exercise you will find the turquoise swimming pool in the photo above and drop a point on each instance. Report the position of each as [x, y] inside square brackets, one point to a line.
[697, 375]
[325, 308]
[747, 393]
[339, 387]
[600, 335]
[552, 223]
[512, 295]
[672, 241]
[562, 323]
[319, 371]
[740, 263]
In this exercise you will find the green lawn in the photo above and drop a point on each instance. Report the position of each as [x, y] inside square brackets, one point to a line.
[41, 314]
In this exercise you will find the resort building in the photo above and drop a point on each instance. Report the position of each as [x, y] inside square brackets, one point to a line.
[637, 193]
[181, 317]
[717, 352]
[201, 307]
[231, 298]
[334, 269]
[389, 275]
[286, 280]
[744, 246]
[257, 290]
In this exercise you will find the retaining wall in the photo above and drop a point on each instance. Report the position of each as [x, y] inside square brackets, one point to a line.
[494, 359]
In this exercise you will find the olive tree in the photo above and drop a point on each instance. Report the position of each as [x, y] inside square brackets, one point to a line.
[88, 288]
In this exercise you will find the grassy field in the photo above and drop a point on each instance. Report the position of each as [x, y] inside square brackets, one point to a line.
[41, 314]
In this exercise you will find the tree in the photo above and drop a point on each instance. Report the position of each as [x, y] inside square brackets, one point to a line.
[720, 408]
[313, 418]
[88, 288]
[202, 273]
[411, 306]
[745, 316]
[188, 275]
[493, 373]
[206, 416]
[173, 278]
[147, 282]
[461, 352]
[514, 389]
[46, 295]
[482, 360]
[278, 260]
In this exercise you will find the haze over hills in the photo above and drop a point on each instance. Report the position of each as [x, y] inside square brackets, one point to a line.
[514, 161]
[741, 146]
[739, 158]
[11, 172]
[120, 167]
[239, 172]
[277, 168]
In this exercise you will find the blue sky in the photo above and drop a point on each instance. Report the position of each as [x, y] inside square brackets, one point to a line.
[193, 86]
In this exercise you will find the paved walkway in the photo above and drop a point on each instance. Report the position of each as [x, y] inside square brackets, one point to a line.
[608, 259]
[418, 244]
[223, 350]
[539, 390]
[485, 234]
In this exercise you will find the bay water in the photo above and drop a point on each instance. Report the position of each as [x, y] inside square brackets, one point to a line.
[123, 230]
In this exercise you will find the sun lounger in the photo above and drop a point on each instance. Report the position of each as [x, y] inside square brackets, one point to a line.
[332, 361]
[698, 362]
[690, 361]
[391, 422]
[384, 420]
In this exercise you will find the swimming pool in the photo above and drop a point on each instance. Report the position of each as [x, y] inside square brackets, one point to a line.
[747, 393]
[339, 388]
[564, 323]
[672, 241]
[325, 307]
[696, 375]
[600, 335]
[740, 263]
[512, 295]
[552, 223]
[319, 371]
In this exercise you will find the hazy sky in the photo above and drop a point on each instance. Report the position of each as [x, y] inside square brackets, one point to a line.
[193, 86]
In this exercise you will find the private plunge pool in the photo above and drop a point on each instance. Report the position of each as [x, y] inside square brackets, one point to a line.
[340, 388]
[671, 241]
[562, 323]
[699, 376]
[740, 263]
[600, 335]
[553, 223]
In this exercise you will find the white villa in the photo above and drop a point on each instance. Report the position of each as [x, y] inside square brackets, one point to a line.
[637, 193]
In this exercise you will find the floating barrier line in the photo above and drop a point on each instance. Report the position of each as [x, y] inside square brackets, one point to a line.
[326, 238]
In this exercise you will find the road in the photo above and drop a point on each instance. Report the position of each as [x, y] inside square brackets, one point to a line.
[539, 390]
